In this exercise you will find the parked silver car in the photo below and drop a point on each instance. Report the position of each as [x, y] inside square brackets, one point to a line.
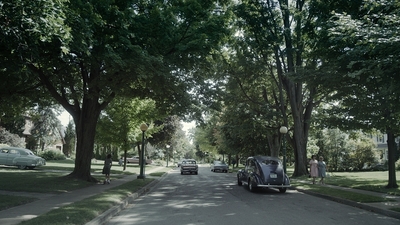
[20, 157]
[136, 160]
[219, 166]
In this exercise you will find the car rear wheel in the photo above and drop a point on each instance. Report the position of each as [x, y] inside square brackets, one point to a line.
[181, 173]
[22, 167]
[282, 190]
[239, 182]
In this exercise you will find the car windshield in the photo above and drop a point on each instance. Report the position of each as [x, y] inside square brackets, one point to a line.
[270, 162]
[30, 153]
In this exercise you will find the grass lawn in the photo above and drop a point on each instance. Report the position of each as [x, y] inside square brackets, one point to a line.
[8, 201]
[369, 180]
[86, 210]
[51, 178]
[348, 195]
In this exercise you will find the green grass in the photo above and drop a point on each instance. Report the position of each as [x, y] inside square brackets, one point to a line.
[370, 181]
[52, 179]
[397, 209]
[348, 195]
[8, 201]
[86, 210]
[96, 167]
[39, 181]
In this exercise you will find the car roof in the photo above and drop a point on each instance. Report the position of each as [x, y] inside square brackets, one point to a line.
[260, 158]
[16, 148]
[26, 151]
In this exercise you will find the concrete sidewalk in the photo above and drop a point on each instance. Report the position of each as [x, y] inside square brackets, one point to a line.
[383, 208]
[48, 202]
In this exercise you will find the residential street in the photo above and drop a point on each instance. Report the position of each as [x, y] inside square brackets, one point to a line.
[214, 198]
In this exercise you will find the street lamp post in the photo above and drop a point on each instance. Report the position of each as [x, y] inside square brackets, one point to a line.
[283, 130]
[167, 154]
[143, 128]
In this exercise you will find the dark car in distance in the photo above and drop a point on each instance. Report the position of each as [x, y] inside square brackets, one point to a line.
[263, 172]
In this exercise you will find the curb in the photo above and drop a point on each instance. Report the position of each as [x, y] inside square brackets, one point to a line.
[363, 206]
[108, 214]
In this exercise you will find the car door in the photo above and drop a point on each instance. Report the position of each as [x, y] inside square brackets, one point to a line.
[12, 154]
[3, 156]
[248, 169]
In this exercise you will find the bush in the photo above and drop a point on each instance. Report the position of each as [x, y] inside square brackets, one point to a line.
[397, 165]
[11, 139]
[52, 155]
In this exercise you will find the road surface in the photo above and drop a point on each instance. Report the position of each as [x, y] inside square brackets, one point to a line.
[215, 198]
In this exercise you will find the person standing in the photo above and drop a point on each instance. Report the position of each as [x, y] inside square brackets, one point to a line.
[321, 169]
[107, 168]
[313, 168]
[120, 162]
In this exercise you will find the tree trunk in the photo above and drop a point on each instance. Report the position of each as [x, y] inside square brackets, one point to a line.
[294, 89]
[85, 126]
[299, 140]
[391, 160]
[274, 144]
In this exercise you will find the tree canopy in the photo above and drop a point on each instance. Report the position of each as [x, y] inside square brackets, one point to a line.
[85, 53]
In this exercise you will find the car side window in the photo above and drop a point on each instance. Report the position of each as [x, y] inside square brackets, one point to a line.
[247, 165]
[4, 151]
[253, 166]
[15, 152]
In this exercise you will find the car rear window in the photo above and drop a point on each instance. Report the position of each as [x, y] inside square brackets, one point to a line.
[189, 162]
[270, 162]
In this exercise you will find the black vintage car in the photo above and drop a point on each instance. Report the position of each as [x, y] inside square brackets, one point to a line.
[263, 172]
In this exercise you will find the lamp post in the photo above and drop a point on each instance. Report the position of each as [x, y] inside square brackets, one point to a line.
[167, 154]
[143, 128]
[283, 130]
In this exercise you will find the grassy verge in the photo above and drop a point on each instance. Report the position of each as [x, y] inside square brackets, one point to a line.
[52, 179]
[375, 181]
[348, 195]
[86, 210]
[40, 181]
[371, 181]
[8, 201]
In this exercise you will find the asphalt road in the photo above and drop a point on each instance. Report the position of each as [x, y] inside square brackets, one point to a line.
[214, 198]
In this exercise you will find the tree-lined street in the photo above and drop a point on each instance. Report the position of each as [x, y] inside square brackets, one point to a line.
[215, 198]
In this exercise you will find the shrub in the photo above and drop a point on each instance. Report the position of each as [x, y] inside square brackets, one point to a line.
[11, 139]
[397, 165]
[52, 155]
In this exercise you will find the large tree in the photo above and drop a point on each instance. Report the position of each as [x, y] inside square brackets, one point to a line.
[276, 31]
[24, 26]
[130, 48]
[363, 72]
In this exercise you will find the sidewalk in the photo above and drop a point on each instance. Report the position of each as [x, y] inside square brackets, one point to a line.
[382, 208]
[48, 202]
